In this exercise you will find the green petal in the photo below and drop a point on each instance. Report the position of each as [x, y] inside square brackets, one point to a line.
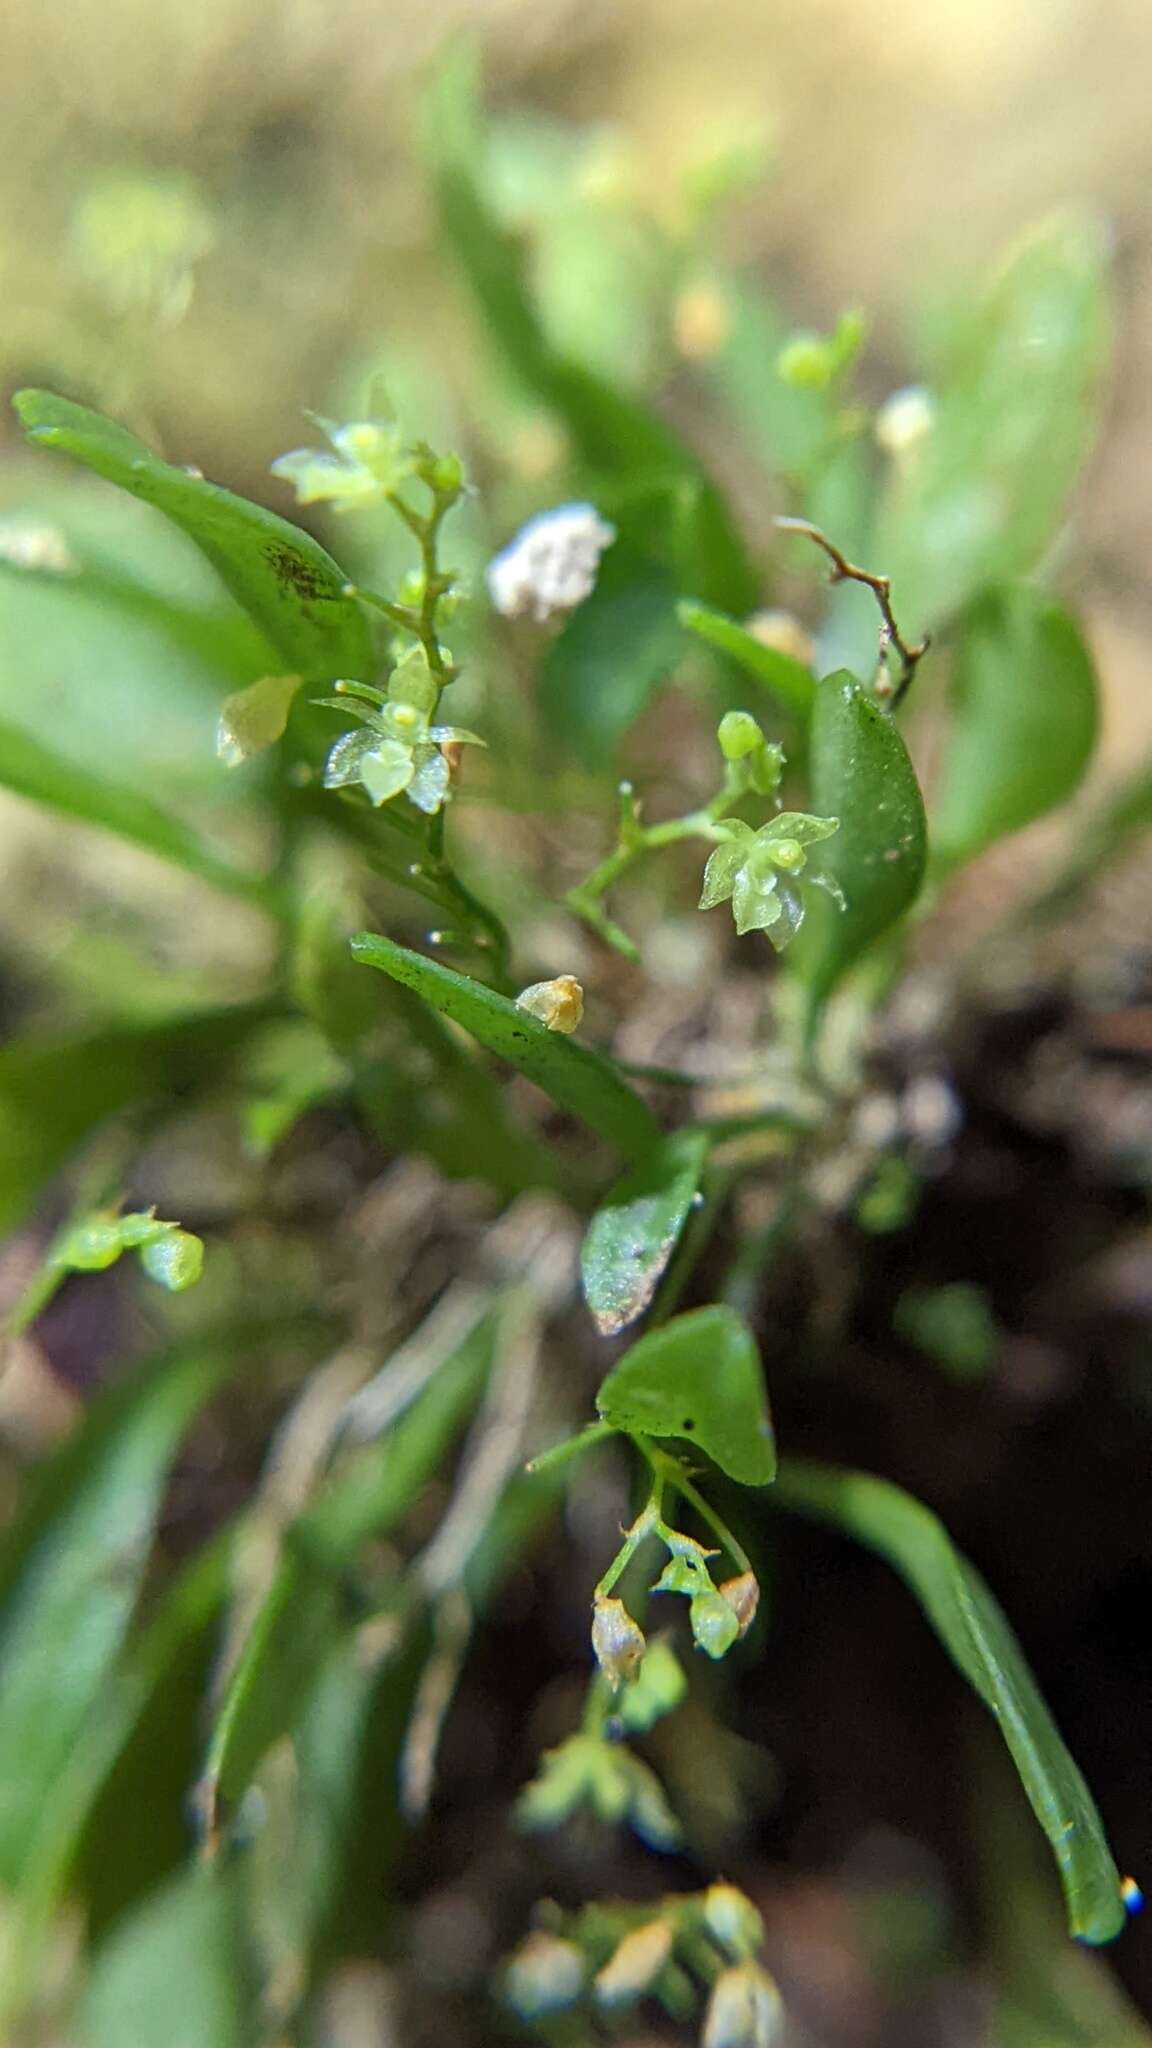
[720, 875]
[798, 825]
[387, 770]
[346, 758]
[755, 900]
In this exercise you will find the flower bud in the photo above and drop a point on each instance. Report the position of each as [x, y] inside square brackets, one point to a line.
[175, 1260]
[787, 854]
[633, 1965]
[732, 1920]
[738, 734]
[558, 1004]
[617, 1640]
[806, 362]
[744, 2010]
[905, 419]
[545, 1975]
[714, 1624]
[743, 1597]
[447, 476]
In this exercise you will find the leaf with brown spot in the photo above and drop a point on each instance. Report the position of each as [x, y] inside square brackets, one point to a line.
[635, 1231]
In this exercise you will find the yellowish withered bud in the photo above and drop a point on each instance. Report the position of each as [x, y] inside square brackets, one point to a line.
[634, 1964]
[783, 632]
[617, 1640]
[744, 2011]
[743, 1597]
[544, 1976]
[701, 321]
[732, 1920]
[558, 1004]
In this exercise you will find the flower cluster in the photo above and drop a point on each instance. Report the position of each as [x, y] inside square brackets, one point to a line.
[552, 563]
[618, 1954]
[397, 751]
[588, 1772]
[755, 870]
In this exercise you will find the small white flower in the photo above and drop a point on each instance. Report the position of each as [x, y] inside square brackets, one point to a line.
[904, 419]
[552, 563]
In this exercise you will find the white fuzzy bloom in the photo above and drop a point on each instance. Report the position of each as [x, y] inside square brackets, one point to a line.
[904, 419]
[552, 563]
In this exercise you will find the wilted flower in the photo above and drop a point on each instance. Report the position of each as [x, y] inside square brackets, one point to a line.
[634, 1963]
[551, 565]
[751, 868]
[743, 1597]
[545, 1975]
[744, 2011]
[559, 1004]
[617, 1640]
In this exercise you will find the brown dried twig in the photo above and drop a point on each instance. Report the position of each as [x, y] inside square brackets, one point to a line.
[844, 571]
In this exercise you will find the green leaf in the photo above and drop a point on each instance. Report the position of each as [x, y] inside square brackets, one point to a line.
[635, 1231]
[581, 1081]
[34, 770]
[114, 1819]
[179, 1973]
[70, 1573]
[54, 1092]
[697, 1377]
[976, 1635]
[614, 434]
[788, 680]
[860, 773]
[602, 667]
[284, 580]
[983, 494]
[1024, 720]
[1099, 839]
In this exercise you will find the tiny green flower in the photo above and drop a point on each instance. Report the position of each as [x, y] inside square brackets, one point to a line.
[394, 753]
[617, 1640]
[369, 461]
[749, 868]
[715, 1625]
[604, 1777]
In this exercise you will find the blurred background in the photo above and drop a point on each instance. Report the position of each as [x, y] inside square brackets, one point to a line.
[215, 219]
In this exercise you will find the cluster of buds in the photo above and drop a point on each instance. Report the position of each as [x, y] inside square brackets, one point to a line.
[719, 1614]
[552, 564]
[617, 1955]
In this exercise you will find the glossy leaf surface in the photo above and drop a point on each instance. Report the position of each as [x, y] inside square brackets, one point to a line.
[977, 1636]
[579, 1080]
[861, 774]
[284, 580]
[697, 1377]
[1024, 721]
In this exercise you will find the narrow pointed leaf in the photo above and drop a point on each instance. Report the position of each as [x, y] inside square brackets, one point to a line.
[282, 578]
[635, 1231]
[861, 774]
[581, 1081]
[1024, 719]
[1016, 406]
[180, 1972]
[698, 1377]
[786, 679]
[31, 769]
[977, 1636]
[71, 1572]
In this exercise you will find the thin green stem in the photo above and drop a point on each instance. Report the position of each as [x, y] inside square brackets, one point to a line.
[572, 1447]
[669, 1469]
[644, 1526]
